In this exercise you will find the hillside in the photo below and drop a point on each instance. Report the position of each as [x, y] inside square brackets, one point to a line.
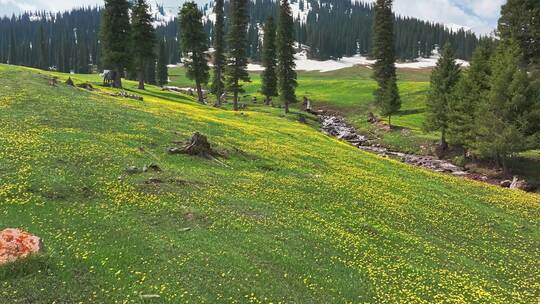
[289, 215]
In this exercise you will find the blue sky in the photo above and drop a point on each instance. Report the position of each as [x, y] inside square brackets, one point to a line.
[479, 15]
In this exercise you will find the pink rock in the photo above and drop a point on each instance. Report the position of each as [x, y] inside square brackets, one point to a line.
[17, 244]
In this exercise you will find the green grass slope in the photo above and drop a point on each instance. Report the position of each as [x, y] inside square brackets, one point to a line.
[350, 92]
[290, 216]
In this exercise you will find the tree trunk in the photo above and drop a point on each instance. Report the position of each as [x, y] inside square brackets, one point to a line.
[199, 91]
[390, 121]
[505, 166]
[117, 78]
[235, 101]
[218, 99]
[267, 100]
[286, 106]
[140, 76]
[444, 143]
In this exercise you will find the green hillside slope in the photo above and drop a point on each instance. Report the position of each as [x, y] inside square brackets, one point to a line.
[289, 216]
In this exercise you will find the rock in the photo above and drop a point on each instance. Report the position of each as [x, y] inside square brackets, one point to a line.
[86, 86]
[506, 183]
[132, 170]
[460, 173]
[16, 244]
[127, 95]
[153, 167]
[519, 184]
[372, 118]
[53, 81]
[154, 180]
[175, 150]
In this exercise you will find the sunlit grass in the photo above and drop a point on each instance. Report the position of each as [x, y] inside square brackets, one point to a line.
[290, 215]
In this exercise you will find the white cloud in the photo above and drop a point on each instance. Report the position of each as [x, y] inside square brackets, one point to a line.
[479, 15]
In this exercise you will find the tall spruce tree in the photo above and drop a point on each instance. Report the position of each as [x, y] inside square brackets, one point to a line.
[194, 46]
[285, 55]
[444, 77]
[384, 69]
[237, 60]
[218, 85]
[503, 124]
[42, 48]
[269, 61]
[162, 71]
[12, 56]
[143, 40]
[150, 71]
[115, 38]
[83, 61]
[471, 89]
[520, 21]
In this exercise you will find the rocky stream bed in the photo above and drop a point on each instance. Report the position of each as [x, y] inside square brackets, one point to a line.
[337, 126]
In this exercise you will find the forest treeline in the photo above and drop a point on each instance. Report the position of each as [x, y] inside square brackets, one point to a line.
[68, 41]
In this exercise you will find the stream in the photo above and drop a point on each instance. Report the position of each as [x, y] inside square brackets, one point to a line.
[336, 126]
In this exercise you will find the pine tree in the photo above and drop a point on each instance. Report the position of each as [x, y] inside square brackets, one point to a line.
[12, 57]
[150, 72]
[384, 69]
[471, 89]
[218, 85]
[162, 71]
[444, 77]
[194, 46]
[143, 39]
[237, 61]
[42, 44]
[83, 63]
[504, 123]
[390, 103]
[285, 55]
[520, 21]
[115, 38]
[269, 61]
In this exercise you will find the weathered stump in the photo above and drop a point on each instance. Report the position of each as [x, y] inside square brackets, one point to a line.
[197, 145]
[70, 82]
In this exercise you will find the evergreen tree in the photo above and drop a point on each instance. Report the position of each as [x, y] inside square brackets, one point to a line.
[504, 125]
[444, 77]
[143, 39]
[194, 46]
[42, 44]
[269, 61]
[83, 62]
[520, 21]
[12, 57]
[150, 72]
[162, 71]
[471, 89]
[115, 38]
[390, 102]
[285, 55]
[384, 69]
[218, 85]
[237, 61]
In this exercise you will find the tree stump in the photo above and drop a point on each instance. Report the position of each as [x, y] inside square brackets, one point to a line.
[197, 145]
[70, 82]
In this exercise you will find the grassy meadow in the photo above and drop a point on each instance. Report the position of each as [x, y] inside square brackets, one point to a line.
[289, 215]
[350, 92]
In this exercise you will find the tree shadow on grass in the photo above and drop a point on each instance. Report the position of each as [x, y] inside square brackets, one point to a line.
[24, 267]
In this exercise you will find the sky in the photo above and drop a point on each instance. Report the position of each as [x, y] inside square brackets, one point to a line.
[478, 15]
